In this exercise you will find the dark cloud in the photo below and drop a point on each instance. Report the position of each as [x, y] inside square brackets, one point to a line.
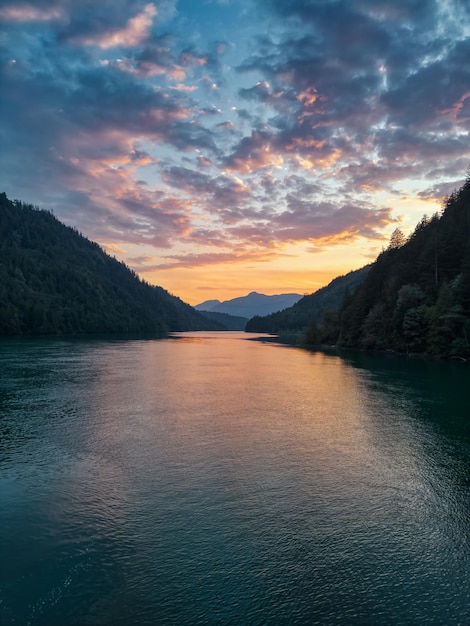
[440, 191]
[427, 96]
[259, 92]
[85, 22]
[332, 222]
[136, 127]
[369, 78]
[254, 153]
[221, 194]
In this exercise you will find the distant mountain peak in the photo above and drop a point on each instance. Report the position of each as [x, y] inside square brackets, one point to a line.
[207, 305]
[248, 306]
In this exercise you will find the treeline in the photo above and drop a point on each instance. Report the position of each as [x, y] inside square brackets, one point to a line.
[53, 280]
[415, 298]
[310, 309]
[228, 322]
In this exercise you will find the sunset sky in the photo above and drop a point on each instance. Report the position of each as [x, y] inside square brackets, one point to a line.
[224, 146]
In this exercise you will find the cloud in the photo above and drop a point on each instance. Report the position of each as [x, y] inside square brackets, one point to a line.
[254, 153]
[26, 12]
[436, 193]
[330, 223]
[364, 76]
[201, 260]
[135, 31]
[139, 124]
[220, 195]
[118, 212]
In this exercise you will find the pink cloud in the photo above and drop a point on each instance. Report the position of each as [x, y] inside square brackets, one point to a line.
[204, 161]
[205, 259]
[456, 111]
[147, 69]
[187, 58]
[28, 13]
[184, 88]
[134, 33]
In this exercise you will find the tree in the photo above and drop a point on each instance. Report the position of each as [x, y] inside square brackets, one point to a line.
[53, 281]
[416, 296]
[414, 327]
[397, 239]
[374, 329]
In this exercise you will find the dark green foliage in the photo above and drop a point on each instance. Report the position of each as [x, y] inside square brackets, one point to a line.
[228, 322]
[309, 309]
[416, 296]
[55, 281]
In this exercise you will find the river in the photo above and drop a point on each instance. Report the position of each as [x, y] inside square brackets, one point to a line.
[208, 478]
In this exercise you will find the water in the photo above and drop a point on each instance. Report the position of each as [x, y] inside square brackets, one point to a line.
[210, 479]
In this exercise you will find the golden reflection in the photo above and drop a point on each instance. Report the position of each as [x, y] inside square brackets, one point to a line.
[270, 415]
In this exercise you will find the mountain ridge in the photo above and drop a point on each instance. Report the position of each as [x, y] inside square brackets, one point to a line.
[254, 303]
[309, 308]
[416, 296]
[230, 322]
[55, 281]
[413, 299]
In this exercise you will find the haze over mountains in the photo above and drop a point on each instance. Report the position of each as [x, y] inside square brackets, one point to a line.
[250, 305]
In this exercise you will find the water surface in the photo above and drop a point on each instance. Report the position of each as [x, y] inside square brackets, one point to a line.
[211, 479]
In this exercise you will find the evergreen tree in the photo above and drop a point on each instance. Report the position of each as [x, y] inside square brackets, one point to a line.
[55, 281]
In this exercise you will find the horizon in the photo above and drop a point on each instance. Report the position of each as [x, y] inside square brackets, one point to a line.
[226, 147]
[250, 293]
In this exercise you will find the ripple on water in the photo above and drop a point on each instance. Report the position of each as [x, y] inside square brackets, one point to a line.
[220, 481]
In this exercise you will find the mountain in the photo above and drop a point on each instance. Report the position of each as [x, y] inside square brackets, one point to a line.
[53, 280]
[229, 322]
[252, 304]
[311, 308]
[207, 305]
[416, 295]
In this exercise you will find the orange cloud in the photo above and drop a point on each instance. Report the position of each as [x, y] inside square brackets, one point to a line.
[186, 88]
[261, 158]
[204, 259]
[308, 97]
[298, 142]
[324, 162]
[115, 249]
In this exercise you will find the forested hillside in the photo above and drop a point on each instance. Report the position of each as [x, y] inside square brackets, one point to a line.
[309, 309]
[228, 322]
[416, 296]
[55, 281]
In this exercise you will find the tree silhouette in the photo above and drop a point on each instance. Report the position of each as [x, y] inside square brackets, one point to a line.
[397, 239]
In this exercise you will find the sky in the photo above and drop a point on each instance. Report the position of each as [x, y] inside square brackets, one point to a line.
[219, 147]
